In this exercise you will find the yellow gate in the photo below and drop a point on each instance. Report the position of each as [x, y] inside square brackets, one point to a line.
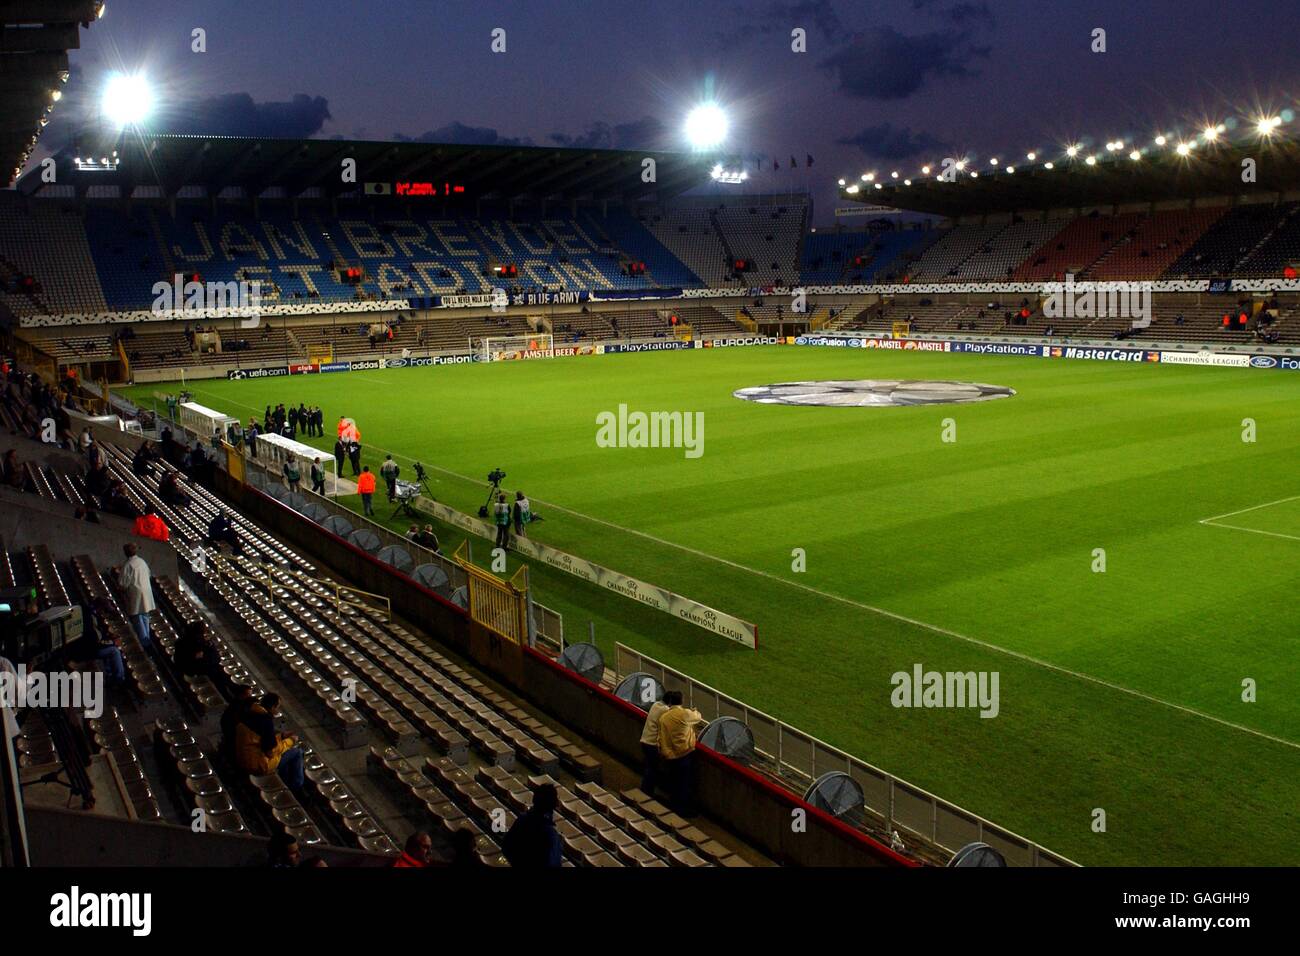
[500, 606]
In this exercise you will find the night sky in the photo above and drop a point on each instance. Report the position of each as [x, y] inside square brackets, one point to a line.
[884, 85]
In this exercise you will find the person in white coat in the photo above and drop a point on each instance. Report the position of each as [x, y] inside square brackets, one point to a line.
[133, 579]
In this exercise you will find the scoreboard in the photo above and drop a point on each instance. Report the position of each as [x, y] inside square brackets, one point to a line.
[424, 189]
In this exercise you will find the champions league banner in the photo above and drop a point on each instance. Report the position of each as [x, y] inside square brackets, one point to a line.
[683, 608]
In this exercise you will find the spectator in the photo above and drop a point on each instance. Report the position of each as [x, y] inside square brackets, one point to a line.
[366, 488]
[291, 473]
[501, 518]
[220, 529]
[116, 502]
[317, 477]
[11, 471]
[533, 842]
[283, 851]
[195, 653]
[390, 470]
[251, 434]
[149, 525]
[677, 728]
[418, 852]
[85, 441]
[522, 514]
[340, 451]
[413, 534]
[261, 749]
[142, 458]
[650, 745]
[429, 539]
[231, 716]
[464, 854]
[133, 579]
[107, 647]
[170, 491]
[85, 514]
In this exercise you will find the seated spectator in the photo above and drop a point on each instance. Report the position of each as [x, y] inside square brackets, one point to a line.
[106, 647]
[11, 471]
[533, 842]
[283, 852]
[99, 479]
[85, 514]
[149, 525]
[220, 529]
[418, 852]
[142, 459]
[170, 491]
[195, 653]
[261, 749]
[116, 502]
[230, 718]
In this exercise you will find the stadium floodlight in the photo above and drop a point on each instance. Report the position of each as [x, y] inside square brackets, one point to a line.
[1268, 124]
[993, 161]
[894, 174]
[1072, 151]
[852, 190]
[1031, 156]
[841, 182]
[1183, 149]
[1135, 155]
[1011, 169]
[1091, 160]
[1161, 140]
[961, 164]
[870, 177]
[974, 174]
[925, 170]
[879, 186]
[127, 99]
[907, 182]
[1211, 133]
[706, 126]
[1049, 165]
[56, 95]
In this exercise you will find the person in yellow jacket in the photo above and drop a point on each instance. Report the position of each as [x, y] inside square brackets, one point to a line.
[678, 726]
[261, 749]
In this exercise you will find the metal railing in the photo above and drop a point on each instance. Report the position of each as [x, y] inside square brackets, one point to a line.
[890, 802]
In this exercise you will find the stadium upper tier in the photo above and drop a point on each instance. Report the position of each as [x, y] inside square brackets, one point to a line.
[59, 258]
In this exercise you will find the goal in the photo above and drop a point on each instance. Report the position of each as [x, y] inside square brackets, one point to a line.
[506, 348]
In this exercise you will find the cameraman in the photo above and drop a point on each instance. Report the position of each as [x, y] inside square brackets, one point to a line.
[501, 518]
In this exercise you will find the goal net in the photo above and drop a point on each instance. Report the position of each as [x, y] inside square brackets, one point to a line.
[506, 348]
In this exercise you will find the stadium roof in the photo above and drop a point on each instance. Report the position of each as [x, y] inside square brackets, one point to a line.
[1208, 170]
[215, 163]
[35, 37]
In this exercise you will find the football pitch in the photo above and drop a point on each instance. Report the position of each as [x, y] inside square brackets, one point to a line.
[1105, 540]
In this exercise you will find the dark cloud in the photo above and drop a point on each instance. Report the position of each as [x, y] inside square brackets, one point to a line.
[886, 141]
[457, 133]
[237, 114]
[781, 18]
[962, 13]
[883, 64]
[645, 133]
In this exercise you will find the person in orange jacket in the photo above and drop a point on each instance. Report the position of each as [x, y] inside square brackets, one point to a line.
[366, 488]
[149, 525]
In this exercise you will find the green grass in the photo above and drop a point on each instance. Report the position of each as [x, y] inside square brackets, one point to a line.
[1119, 690]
